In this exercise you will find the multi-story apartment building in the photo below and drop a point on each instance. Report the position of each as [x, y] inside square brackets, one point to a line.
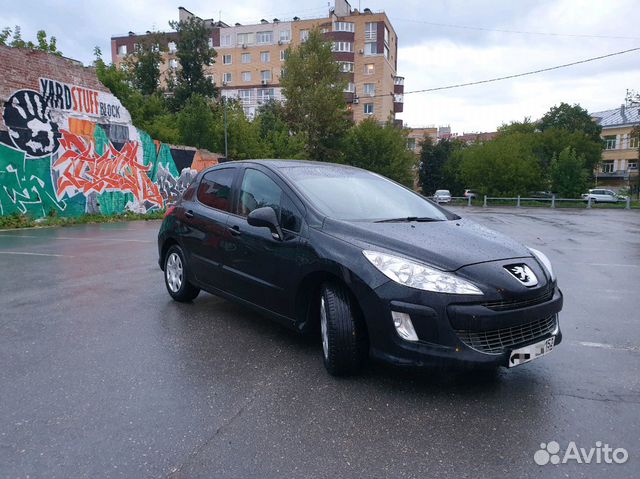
[619, 165]
[251, 57]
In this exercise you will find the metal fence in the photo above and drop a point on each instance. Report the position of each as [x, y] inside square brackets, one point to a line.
[552, 202]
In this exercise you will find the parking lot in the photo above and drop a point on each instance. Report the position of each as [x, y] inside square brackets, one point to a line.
[104, 376]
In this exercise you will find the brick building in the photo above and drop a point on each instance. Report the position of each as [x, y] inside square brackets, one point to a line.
[250, 57]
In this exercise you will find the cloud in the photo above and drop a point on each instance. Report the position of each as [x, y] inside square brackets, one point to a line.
[429, 55]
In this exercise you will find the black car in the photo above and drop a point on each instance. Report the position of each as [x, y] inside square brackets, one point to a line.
[377, 269]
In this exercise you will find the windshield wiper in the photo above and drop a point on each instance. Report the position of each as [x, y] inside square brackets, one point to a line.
[408, 219]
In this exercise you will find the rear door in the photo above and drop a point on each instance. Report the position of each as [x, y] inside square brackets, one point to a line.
[208, 239]
[263, 269]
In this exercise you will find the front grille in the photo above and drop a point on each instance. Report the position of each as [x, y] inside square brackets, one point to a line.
[498, 340]
[508, 304]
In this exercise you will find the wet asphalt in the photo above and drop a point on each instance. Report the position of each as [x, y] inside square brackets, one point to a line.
[102, 375]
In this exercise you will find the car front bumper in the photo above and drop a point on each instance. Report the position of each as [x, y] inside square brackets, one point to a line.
[455, 331]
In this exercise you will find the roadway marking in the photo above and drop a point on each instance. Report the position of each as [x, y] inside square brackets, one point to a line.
[589, 344]
[67, 238]
[26, 253]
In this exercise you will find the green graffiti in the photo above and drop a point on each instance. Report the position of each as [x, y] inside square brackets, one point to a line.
[26, 187]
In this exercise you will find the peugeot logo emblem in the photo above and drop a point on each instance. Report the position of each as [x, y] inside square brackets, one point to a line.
[523, 274]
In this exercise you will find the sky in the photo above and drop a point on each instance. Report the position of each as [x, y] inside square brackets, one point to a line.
[441, 42]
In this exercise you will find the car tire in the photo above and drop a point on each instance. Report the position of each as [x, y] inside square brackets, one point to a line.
[343, 335]
[175, 276]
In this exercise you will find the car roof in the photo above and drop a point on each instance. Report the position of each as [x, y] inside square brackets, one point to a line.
[276, 164]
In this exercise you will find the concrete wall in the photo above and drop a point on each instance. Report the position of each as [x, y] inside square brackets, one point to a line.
[67, 145]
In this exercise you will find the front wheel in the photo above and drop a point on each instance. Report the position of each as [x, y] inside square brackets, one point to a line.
[344, 344]
[175, 276]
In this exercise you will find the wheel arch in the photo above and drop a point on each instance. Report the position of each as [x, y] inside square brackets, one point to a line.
[168, 243]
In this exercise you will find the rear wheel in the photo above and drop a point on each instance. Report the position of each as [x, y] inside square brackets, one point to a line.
[344, 345]
[175, 276]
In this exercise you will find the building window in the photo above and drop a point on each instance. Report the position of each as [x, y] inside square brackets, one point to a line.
[225, 40]
[633, 141]
[173, 63]
[370, 89]
[610, 142]
[122, 50]
[226, 77]
[245, 96]
[265, 75]
[172, 47]
[632, 165]
[386, 52]
[245, 58]
[283, 55]
[371, 31]
[210, 42]
[304, 34]
[265, 94]
[264, 37]
[368, 108]
[137, 47]
[211, 78]
[246, 76]
[607, 166]
[244, 39]
[411, 143]
[285, 35]
[346, 67]
[370, 48]
[226, 59]
[386, 35]
[343, 27]
[350, 88]
[369, 69]
[342, 47]
[265, 57]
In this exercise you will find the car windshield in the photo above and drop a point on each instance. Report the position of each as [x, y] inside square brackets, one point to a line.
[442, 192]
[358, 195]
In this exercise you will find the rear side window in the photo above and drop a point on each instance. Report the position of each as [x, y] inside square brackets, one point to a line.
[215, 189]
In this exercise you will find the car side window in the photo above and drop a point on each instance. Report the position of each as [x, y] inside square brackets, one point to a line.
[258, 190]
[215, 189]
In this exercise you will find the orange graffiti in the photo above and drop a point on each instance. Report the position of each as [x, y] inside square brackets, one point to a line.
[82, 170]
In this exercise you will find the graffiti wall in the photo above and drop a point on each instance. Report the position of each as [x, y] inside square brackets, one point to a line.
[67, 149]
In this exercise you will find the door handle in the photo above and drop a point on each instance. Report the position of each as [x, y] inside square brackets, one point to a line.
[188, 214]
[234, 230]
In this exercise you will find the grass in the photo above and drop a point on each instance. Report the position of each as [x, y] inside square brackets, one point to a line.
[16, 220]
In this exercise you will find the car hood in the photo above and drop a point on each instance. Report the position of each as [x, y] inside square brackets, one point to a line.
[448, 245]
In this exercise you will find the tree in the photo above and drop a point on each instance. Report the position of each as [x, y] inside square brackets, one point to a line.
[315, 104]
[525, 126]
[569, 177]
[144, 64]
[381, 149]
[196, 123]
[434, 158]
[571, 118]
[194, 54]
[635, 133]
[243, 136]
[274, 132]
[505, 166]
[43, 45]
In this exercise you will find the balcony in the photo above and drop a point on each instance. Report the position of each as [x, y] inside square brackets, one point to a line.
[615, 174]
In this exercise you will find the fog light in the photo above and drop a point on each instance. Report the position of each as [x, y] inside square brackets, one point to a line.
[404, 326]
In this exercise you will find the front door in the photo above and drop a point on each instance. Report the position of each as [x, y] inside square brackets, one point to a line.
[263, 267]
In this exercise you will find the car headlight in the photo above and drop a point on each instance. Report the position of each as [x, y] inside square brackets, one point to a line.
[545, 261]
[415, 275]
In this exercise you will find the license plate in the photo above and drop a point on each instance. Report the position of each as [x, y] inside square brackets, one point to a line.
[531, 352]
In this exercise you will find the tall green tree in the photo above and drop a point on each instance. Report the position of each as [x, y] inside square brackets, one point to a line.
[243, 136]
[434, 168]
[569, 177]
[572, 118]
[279, 140]
[196, 123]
[143, 65]
[42, 43]
[315, 104]
[381, 149]
[194, 55]
[505, 166]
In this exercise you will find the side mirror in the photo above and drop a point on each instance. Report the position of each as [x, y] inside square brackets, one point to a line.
[266, 217]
